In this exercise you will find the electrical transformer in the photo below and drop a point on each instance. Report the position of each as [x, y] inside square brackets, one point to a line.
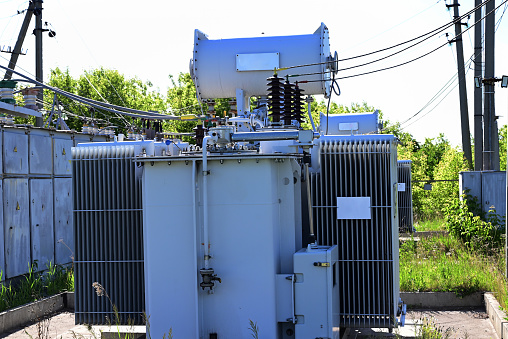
[261, 227]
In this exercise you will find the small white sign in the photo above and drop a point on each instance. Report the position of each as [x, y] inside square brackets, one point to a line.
[257, 62]
[401, 186]
[348, 126]
[353, 208]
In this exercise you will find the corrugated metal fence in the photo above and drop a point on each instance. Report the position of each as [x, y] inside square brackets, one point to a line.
[36, 197]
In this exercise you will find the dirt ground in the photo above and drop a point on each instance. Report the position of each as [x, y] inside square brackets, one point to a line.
[473, 324]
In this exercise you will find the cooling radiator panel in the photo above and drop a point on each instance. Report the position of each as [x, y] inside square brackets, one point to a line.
[360, 173]
[108, 234]
[405, 196]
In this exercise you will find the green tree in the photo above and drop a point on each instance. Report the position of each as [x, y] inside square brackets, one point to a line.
[108, 86]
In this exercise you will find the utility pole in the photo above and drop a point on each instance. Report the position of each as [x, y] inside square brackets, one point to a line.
[38, 55]
[464, 115]
[19, 43]
[491, 145]
[478, 95]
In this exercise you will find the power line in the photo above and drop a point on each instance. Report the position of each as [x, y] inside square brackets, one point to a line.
[421, 56]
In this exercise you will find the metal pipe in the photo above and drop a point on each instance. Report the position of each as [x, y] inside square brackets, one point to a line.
[265, 136]
[309, 204]
[195, 223]
[205, 201]
[309, 100]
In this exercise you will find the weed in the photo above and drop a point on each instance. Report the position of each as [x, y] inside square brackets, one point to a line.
[254, 329]
[443, 263]
[430, 330]
[35, 285]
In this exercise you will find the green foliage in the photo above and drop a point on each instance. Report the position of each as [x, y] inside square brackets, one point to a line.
[502, 147]
[35, 285]
[478, 230]
[105, 85]
[183, 101]
[433, 160]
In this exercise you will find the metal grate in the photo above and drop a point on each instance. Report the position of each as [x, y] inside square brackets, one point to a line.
[405, 196]
[351, 167]
[108, 235]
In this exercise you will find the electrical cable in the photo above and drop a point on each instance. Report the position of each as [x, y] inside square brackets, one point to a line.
[431, 33]
[96, 104]
[421, 56]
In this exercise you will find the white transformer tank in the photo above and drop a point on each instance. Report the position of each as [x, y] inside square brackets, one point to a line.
[254, 230]
[220, 67]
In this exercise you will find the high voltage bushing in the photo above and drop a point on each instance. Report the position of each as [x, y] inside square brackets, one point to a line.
[275, 95]
[298, 102]
[288, 104]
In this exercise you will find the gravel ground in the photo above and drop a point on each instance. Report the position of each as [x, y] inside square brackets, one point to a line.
[473, 324]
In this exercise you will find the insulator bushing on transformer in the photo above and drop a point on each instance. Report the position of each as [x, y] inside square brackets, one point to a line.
[288, 102]
[200, 134]
[275, 98]
[298, 104]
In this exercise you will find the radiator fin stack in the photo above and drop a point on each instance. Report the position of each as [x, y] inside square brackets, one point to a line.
[405, 199]
[368, 248]
[108, 235]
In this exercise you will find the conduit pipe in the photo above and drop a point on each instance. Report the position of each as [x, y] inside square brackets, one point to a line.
[205, 201]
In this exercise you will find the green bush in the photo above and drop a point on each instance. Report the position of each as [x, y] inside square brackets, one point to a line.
[478, 230]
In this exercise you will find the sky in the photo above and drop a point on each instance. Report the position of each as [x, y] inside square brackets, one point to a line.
[152, 39]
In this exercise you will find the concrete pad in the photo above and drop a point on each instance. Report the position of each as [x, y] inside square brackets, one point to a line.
[441, 300]
[496, 315]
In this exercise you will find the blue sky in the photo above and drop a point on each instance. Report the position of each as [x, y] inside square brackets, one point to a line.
[152, 39]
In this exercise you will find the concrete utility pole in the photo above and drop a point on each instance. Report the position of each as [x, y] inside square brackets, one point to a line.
[491, 144]
[478, 95]
[464, 115]
[38, 54]
[19, 43]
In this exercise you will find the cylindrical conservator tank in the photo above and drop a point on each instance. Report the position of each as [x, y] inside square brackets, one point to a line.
[254, 231]
[220, 67]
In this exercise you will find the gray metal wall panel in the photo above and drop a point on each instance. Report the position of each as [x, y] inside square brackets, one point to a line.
[40, 152]
[64, 233]
[15, 151]
[472, 182]
[494, 192]
[41, 214]
[2, 150]
[16, 226]
[62, 156]
[2, 242]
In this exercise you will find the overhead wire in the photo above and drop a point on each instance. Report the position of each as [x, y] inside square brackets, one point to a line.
[468, 66]
[431, 33]
[421, 56]
[97, 104]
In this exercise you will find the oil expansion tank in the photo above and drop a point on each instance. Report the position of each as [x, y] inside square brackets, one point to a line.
[220, 67]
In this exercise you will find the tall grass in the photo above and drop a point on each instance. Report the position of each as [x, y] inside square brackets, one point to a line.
[35, 285]
[443, 263]
[438, 224]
